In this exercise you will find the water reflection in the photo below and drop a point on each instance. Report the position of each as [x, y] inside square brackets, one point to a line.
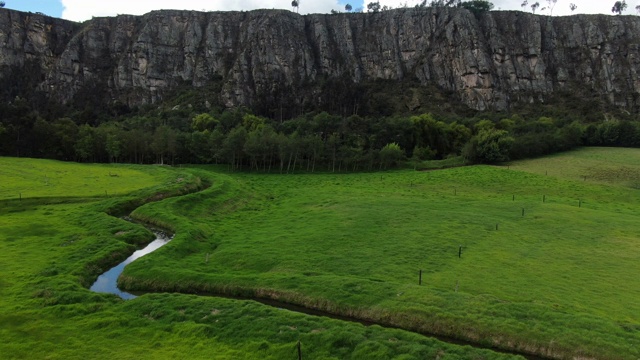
[107, 282]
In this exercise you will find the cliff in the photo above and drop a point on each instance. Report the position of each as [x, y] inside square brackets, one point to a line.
[493, 62]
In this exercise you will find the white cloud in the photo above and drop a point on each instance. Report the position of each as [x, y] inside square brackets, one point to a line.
[80, 10]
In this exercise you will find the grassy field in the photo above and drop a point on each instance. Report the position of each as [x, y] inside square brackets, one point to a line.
[43, 178]
[61, 234]
[620, 167]
[548, 265]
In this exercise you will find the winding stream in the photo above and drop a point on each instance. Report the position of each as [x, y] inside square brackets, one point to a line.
[108, 282]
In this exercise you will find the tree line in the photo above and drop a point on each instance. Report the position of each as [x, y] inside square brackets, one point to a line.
[311, 142]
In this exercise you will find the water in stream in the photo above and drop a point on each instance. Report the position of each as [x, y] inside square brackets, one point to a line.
[108, 282]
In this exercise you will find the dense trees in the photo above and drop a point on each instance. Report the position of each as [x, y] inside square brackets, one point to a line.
[477, 6]
[373, 6]
[489, 146]
[340, 141]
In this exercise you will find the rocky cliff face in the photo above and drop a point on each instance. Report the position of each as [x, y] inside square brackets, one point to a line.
[496, 61]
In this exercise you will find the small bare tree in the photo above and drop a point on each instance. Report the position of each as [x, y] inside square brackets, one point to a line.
[552, 4]
[573, 7]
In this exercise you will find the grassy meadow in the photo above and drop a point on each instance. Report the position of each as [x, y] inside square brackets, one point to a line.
[548, 265]
[60, 230]
[619, 166]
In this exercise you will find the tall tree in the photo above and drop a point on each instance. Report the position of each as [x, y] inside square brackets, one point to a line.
[524, 4]
[233, 146]
[373, 6]
[619, 7]
[84, 144]
[2, 4]
[295, 4]
[477, 7]
[164, 143]
[113, 147]
[66, 133]
[197, 145]
[552, 4]
[534, 7]
[390, 155]
[348, 7]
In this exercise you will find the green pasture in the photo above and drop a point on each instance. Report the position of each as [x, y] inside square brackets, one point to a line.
[559, 281]
[611, 166]
[34, 178]
[61, 235]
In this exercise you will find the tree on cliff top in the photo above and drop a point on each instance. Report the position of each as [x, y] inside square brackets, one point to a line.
[2, 4]
[477, 6]
[619, 7]
[295, 4]
[552, 4]
[534, 7]
[374, 6]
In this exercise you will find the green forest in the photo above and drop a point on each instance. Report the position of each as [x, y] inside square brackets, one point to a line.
[177, 132]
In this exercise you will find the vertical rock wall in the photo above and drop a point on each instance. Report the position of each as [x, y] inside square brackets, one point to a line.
[495, 61]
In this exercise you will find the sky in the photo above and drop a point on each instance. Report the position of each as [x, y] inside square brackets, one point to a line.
[80, 10]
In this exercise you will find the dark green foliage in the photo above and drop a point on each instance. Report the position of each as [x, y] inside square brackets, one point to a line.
[297, 136]
[489, 146]
[390, 155]
[477, 7]
[619, 7]
[373, 6]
